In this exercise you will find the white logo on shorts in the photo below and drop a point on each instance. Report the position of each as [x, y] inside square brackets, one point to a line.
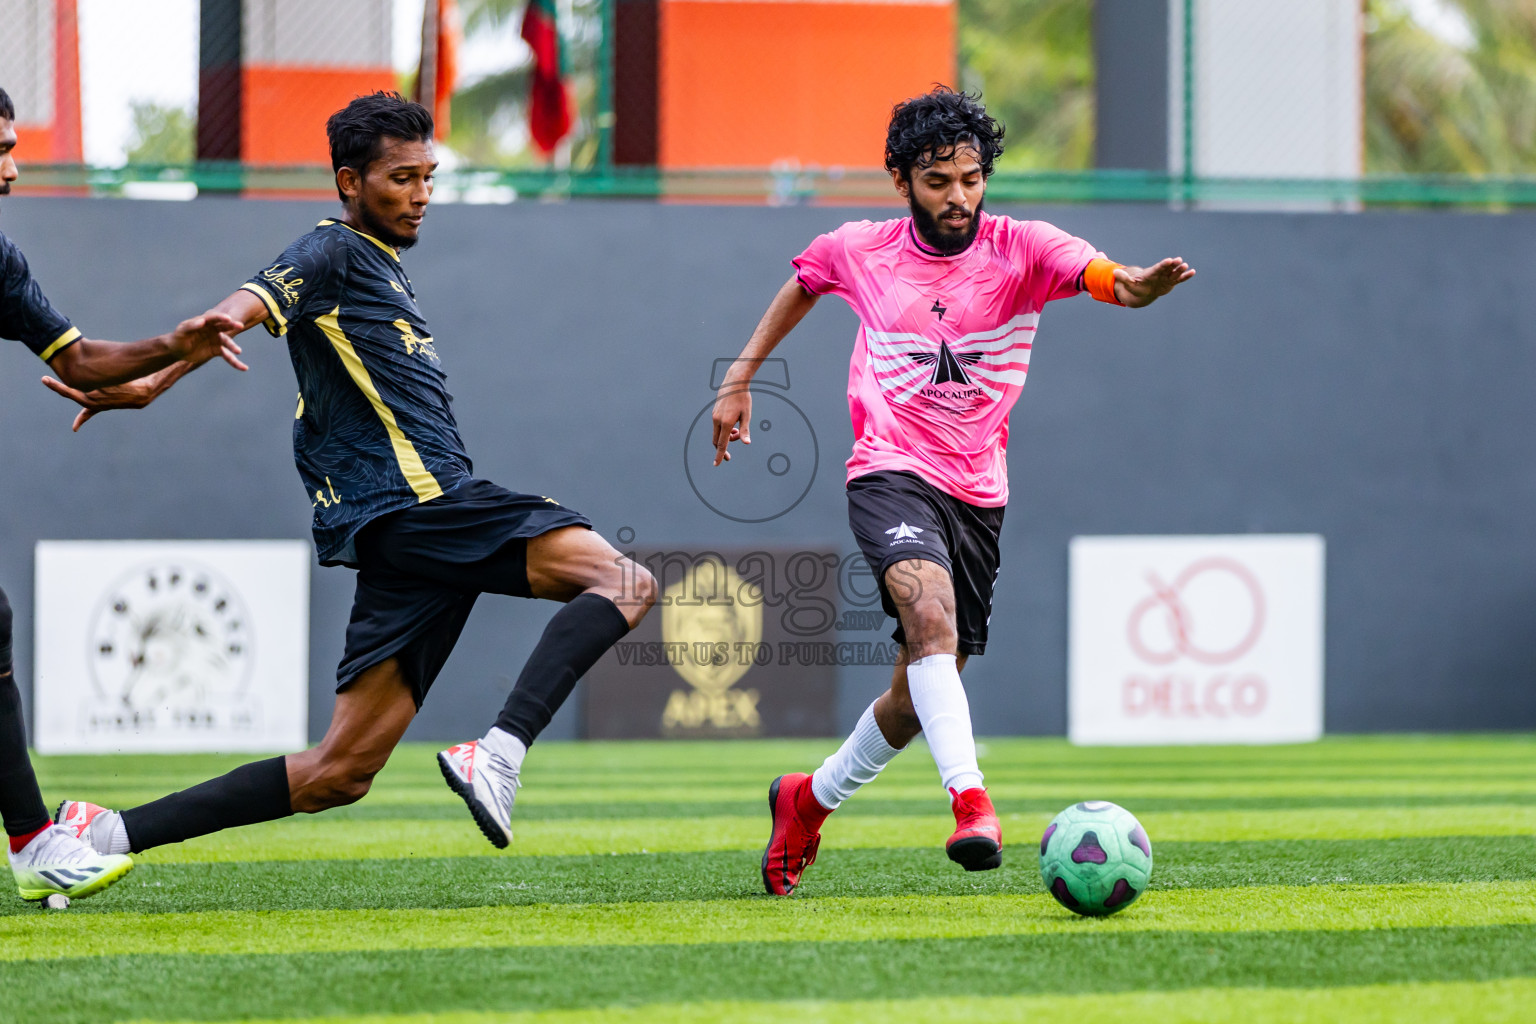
[905, 533]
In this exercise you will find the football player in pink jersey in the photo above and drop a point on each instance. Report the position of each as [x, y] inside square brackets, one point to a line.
[949, 301]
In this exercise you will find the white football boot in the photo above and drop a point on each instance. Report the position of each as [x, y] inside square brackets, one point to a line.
[58, 862]
[487, 783]
[93, 825]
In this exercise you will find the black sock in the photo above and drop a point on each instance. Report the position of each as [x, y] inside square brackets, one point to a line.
[21, 802]
[575, 638]
[252, 793]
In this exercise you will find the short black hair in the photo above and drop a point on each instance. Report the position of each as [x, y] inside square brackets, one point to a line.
[929, 128]
[358, 130]
[7, 108]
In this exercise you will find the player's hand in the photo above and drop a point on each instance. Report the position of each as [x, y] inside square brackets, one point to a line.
[1142, 286]
[136, 394]
[733, 418]
[199, 339]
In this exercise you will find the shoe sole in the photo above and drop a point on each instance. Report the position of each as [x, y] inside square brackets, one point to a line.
[488, 825]
[91, 888]
[773, 828]
[976, 853]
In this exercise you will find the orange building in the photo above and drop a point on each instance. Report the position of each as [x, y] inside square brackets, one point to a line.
[40, 69]
[272, 71]
[751, 83]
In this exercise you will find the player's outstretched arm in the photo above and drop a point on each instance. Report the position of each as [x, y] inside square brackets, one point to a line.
[196, 341]
[1142, 286]
[733, 402]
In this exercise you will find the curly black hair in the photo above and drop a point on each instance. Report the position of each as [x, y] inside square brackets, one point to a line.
[929, 128]
[358, 130]
[7, 108]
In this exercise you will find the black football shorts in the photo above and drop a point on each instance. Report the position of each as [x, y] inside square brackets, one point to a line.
[899, 515]
[421, 568]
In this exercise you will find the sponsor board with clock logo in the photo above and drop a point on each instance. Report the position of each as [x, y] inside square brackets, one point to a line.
[173, 646]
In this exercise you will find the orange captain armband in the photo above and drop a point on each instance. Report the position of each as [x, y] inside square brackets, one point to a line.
[1099, 280]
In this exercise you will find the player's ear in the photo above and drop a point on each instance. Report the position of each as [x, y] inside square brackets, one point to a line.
[349, 182]
[903, 186]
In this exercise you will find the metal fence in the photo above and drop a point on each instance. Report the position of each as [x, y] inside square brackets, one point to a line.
[1306, 104]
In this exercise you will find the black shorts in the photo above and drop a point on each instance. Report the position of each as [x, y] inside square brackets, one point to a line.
[421, 568]
[899, 515]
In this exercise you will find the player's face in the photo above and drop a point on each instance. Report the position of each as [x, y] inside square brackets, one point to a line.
[8, 172]
[945, 197]
[391, 197]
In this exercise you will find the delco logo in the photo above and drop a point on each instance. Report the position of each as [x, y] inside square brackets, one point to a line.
[1211, 614]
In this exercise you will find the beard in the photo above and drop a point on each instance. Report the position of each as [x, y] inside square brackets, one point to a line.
[5, 188]
[379, 230]
[940, 237]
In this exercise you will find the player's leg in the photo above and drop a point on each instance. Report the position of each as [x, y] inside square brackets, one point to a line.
[21, 802]
[958, 608]
[924, 594]
[370, 716]
[604, 595]
[44, 858]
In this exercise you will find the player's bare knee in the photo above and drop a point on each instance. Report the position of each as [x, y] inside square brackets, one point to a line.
[344, 784]
[930, 629]
[644, 592]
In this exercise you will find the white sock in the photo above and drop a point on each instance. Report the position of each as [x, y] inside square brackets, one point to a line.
[939, 700]
[119, 841]
[856, 762]
[506, 746]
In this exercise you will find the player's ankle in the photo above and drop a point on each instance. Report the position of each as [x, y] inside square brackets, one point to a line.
[808, 809]
[18, 843]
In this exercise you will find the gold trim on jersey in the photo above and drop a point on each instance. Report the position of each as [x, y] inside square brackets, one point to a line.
[422, 482]
[387, 248]
[276, 314]
[69, 337]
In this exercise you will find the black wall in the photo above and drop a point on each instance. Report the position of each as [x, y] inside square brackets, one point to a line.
[1367, 377]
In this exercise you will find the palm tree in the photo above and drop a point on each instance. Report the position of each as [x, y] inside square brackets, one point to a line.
[1433, 107]
[490, 112]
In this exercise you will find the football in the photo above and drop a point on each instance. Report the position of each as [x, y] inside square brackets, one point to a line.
[1095, 858]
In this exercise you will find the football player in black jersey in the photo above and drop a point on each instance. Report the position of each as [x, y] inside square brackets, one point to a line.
[394, 496]
[46, 858]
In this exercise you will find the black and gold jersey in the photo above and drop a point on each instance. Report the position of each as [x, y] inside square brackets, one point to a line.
[26, 315]
[374, 429]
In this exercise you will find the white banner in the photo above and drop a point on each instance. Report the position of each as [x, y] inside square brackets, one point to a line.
[1196, 639]
[171, 646]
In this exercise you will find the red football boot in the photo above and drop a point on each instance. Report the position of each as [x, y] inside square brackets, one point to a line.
[977, 844]
[797, 819]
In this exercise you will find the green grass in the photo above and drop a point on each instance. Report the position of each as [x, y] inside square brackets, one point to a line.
[1382, 878]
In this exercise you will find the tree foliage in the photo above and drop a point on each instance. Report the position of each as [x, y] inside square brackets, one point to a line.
[1433, 107]
[1032, 61]
[161, 134]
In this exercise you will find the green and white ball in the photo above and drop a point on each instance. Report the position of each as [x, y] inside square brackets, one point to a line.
[1095, 858]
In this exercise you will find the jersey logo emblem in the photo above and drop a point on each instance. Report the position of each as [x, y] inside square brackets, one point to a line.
[414, 344]
[941, 310]
[277, 277]
[324, 501]
[904, 532]
[947, 368]
[982, 364]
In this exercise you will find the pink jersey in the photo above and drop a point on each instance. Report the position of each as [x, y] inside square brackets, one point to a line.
[944, 341]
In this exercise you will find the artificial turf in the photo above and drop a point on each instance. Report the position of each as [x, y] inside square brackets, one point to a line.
[1360, 878]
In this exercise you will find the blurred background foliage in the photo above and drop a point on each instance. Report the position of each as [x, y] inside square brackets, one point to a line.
[1451, 106]
[1435, 102]
[1032, 61]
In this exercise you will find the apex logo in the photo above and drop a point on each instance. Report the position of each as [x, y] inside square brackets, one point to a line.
[904, 533]
[941, 310]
